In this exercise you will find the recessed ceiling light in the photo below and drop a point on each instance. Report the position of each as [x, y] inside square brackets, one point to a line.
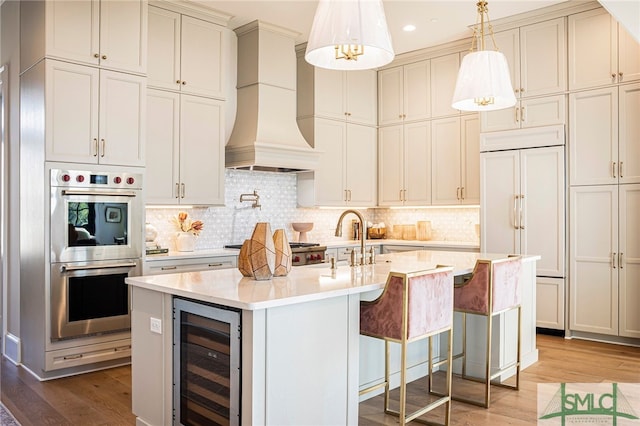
[409, 28]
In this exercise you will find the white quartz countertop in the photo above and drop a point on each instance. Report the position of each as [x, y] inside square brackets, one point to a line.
[228, 287]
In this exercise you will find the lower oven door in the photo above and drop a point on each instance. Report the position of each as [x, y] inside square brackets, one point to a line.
[90, 298]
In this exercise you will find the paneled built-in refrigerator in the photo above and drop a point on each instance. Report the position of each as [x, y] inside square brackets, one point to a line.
[523, 204]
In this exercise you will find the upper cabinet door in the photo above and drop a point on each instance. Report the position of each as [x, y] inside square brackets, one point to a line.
[417, 91]
[201, 58]
[361, 94]
[71, 30]
[543, 60]
[629, 133]
[445, 161]
[390, 96]
[444, 72]
[329, 93]
[508, 42]
[163, 65]
[628, 57]
[71, 105]
[112, 34]
[123, 35]
[122, 127]
[593, 137]
[470, 159]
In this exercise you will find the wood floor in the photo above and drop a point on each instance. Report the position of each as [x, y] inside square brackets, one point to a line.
[104, 397]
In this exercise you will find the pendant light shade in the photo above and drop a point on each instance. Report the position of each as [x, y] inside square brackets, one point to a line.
[484, 81]
[349, 35]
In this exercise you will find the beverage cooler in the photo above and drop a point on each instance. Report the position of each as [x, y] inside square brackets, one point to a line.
[206, 364]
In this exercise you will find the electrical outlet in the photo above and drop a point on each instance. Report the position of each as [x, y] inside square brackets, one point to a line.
[155, 325]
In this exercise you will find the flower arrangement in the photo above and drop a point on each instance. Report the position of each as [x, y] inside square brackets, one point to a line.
[184, 224]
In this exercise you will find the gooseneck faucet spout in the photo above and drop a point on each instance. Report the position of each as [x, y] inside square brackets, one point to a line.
[362, 233]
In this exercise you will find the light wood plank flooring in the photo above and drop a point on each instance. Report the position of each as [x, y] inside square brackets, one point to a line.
[104, 397]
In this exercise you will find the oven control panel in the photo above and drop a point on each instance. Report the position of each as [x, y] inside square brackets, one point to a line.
[93, 179]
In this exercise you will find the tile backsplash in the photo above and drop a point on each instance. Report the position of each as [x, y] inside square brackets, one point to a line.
[234, 222]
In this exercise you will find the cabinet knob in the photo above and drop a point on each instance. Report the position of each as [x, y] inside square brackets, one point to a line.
[104, 56]
[178, 81]
[620, 77]
[96, 55]
[517, 90]
[613, 76]
[184, 82]
[521, 89]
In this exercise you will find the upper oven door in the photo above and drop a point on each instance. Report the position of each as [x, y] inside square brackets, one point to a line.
[95, 224]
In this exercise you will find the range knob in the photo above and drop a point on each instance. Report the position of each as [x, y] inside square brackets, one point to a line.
[80, 178]
[296, 259]
[66, 178]
[117, 179]
[130, 180]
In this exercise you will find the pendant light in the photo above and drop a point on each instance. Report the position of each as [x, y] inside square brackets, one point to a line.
[349, 35]
[484, 81]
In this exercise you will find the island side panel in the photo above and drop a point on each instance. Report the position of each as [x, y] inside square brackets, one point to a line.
[307, 363]
[253, 373]
[151, 358]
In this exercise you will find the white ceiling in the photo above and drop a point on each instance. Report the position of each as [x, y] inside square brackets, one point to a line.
[437, 22]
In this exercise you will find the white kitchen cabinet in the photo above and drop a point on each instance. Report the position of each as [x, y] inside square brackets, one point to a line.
[444, 73]
[109, 34]
[404, 156]
[537, 57]
[527, 112]
[94, 116]
[455, 160]
[185, 164]
[601, 52]
[551, 302]
[605, 259]
[404, 93]
[185, 54]
[629, 263]
[603, 133]
[342, 95]
[346, 174]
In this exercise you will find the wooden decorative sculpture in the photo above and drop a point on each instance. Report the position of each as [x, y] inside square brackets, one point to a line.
[283, 253]
[244, 263]
[262, 253]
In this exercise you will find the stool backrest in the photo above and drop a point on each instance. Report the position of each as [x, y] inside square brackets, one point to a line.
[493, 287]
[419, 303]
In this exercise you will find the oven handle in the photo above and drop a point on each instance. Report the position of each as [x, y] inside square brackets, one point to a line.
[107, 193]
[65, 268]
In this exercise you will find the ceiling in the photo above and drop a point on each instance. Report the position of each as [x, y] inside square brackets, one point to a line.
[436, 22]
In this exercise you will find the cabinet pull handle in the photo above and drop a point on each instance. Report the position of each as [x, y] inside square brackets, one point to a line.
[215, 265]
[516, 112]
[349, 195]
[345, 196]
[462, 197]
[103, 147]
[177, 190]
[401, 195]
[521, 211]
[613, 169]
[404, 196]
[613, 260]
[620, 261]
[620, 169]
[458, 193]
[515, 209]
[95, 147]
[182, 190]
[522, 116]
[168, 268]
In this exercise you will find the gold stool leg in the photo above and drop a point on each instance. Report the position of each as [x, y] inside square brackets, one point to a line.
[487, 389]
[403, 382]
[386, 376]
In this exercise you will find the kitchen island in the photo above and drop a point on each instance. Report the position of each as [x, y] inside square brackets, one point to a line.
[302, 358]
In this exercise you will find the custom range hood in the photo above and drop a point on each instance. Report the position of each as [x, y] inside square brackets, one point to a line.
[265, 135]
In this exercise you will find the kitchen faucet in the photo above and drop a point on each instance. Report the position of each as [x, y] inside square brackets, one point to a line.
[363, 232]
[252, 197]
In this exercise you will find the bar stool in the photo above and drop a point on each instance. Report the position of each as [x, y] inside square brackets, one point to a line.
[491, 290]
[412, 307]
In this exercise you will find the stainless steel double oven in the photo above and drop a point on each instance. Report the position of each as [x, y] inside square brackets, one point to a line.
[96, 242]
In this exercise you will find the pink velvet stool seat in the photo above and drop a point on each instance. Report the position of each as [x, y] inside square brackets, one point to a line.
[491, 290]
[412, 307]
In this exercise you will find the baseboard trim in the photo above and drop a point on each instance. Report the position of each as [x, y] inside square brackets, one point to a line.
[12, 348]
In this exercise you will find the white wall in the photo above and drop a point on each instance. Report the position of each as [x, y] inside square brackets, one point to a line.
[10, 58]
